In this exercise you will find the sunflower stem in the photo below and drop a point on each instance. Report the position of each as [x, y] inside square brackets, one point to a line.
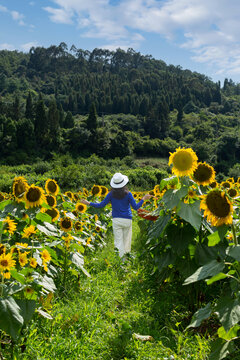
[234, 235]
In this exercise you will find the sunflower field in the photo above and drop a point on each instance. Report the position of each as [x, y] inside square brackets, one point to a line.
[190, 228]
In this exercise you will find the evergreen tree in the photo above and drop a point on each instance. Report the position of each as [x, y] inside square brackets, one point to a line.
[16, 109]
[41, 122]
[68, 121]
[29, 111]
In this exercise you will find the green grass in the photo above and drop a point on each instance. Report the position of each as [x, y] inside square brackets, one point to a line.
[98, 318]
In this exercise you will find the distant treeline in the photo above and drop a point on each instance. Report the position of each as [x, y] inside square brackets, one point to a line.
[112, 103]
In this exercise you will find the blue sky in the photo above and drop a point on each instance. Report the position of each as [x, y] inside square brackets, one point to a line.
[200, 35]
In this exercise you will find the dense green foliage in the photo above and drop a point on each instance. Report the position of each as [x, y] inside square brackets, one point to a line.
[114, 104]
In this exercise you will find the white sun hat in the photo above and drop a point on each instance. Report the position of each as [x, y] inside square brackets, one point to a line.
[118, 180]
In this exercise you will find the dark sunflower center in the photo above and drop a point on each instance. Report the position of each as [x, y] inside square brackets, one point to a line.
[66, 224]
[80, 207]
[4, 263]
[104, 191]
[50, 200]
[33, 195]
[95, 190]
[52, 187]
[218, 204]
[202, 173]
[78, 226]
[232, 192]
[226, 185]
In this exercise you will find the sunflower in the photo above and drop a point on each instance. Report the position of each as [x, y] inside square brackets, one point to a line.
[33, 262]
[104, 190]
[28, 231]
[28, 290]
[67, 240]
[232, 192]
[22, 258]
[95, 217]
[81, 207]
[225, 184]
[66, 224]
[46, 257]
[54, 213]
[75, 213]
[75, 197]
[96, 190]
[51, 200]
[10, 225]
[2, 197]
[34, 196]
[156, 190]
[85, 192]
[20, 186]
[213, 184]
[78, 226]
[6, 264]
[231, 180]
[184, 161]
[217, 208]
[97, 229]
[69, 194]
[51, 187]
[204, 174]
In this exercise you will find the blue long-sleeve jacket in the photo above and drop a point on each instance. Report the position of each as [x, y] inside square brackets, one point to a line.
[121, 208]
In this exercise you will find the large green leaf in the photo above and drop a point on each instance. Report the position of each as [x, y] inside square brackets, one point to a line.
[219, 276]
[220, 349]
[11, 319]
[234, 251]
[180, 238]
[191, 213]
[230, 335]
[167, 258]
[77, 259]
[46, 231]
[200, 315]
[217, 236]
[43, 217]
[228, 311]
[158, 227]
[27, 308]
[172, 197]
[210, 269]
[45, 281]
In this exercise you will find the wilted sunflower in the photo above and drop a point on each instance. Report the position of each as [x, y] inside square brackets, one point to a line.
[184, 161]
[217, 208]
[54, 213]
[28, 231]
[51, 187]
[51, 200]
[104, 190]
[81, 207]
[34, 196]
[96, 190]
[9, 225]
[6, 264]
[232, 192]
[20, 186]
[204, 174]
[2, 197]
[66, 224]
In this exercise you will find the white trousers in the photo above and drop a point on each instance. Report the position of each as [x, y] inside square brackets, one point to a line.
[122, 231]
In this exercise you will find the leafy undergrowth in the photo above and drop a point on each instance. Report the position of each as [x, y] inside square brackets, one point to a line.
[101, 317]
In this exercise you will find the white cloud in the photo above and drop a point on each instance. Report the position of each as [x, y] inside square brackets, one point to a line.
[27, 46]
[17, 17]
[209, 29]
[3, 8]
[6, 47]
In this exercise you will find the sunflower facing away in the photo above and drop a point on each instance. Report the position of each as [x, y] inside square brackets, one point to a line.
[184, 161]
[34, 196]
[204, 174]
[217, 208]
[51, 187]
[20, 186]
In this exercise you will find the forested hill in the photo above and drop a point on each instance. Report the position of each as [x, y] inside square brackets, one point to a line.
[136, 105]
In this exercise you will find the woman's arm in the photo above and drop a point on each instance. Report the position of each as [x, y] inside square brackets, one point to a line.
[135, 205]
[103, 203]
